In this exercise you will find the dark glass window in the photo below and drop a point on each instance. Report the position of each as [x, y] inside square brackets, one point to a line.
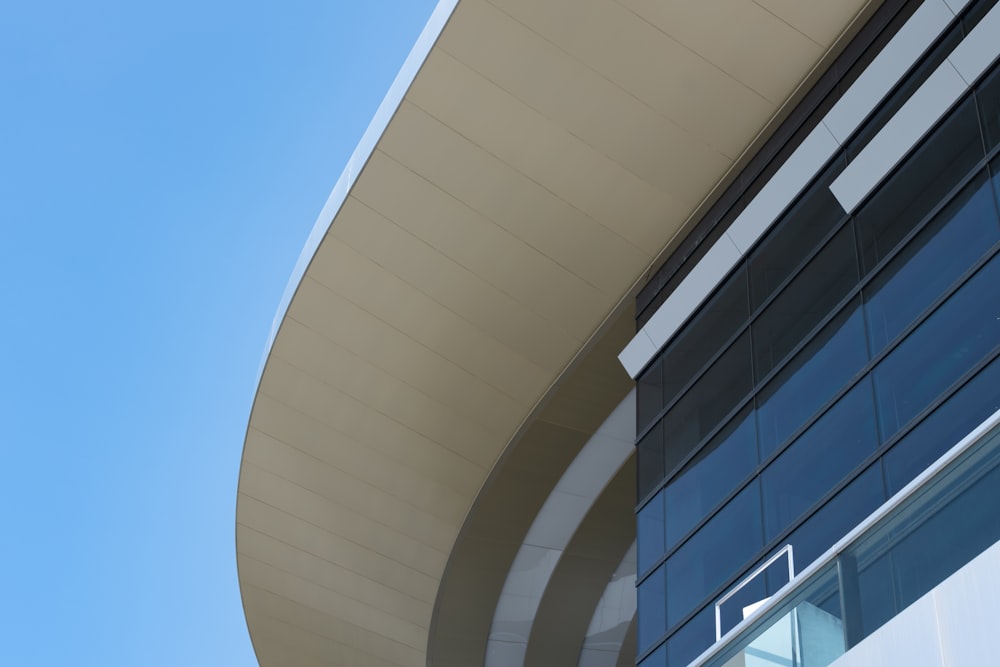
[995, 170]
[707, 403]
[651, 619]
[905, 90]
[805, 302]
[714, 554]
[691, 640]
[717, 323]
[649, 394]
[650, 533]
[819, 459]
[811, 378]
[798, 233]
[940, 350]
[923, 181]
[943, 428]
[988, 98]
[931, 262]
[923, 234]
[720, 465]
[649, 462]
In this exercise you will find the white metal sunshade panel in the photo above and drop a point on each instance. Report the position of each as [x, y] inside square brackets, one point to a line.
[920, 113]
[864, 95]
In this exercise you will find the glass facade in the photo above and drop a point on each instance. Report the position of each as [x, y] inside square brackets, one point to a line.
[840, 357]
[910, 548]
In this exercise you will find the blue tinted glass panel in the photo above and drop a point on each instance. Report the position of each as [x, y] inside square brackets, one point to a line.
[651, 620]
[943, 347]
[943, 428]
[725, 461]
[836, 518]
[657, 658]
[650, 533]
[714, 554]
[819, 459]
[811, 378]
[691, 640]
[932, 261]
[649, 460]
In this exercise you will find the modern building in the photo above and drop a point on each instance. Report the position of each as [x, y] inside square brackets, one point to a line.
[726, 270]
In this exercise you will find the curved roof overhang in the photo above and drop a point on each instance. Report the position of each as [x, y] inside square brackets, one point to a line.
[449, 339]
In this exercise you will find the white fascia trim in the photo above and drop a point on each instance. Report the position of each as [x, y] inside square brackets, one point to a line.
[758, 216]
[864, 95]
[979, 49]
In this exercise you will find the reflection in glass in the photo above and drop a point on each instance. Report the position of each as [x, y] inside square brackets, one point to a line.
[651, 619]
[650, 533]
[805, 302]
[931, 262]
[707, 403]
[811, 378]
[720, 465]
[713, 554]
[923, 181]
[795, 235]
[819, 459]
[940, 350]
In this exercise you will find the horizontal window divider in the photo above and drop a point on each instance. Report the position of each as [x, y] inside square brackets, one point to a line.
[873, 458]
[857, 292]
[673, 472]
[881, 451]
[874, 360]
[944, 397]
[945, 201]
[694, 379]
[864, 372]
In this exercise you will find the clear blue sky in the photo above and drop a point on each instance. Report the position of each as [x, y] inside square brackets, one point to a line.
[161, 165]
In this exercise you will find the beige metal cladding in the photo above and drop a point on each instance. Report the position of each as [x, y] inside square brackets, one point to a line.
[543, 158]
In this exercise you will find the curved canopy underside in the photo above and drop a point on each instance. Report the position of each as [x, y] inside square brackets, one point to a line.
[453, 342]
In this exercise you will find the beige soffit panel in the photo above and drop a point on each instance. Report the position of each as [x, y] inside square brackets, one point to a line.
[448, 338]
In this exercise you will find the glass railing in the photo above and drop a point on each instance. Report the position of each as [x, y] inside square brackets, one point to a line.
[922, 535]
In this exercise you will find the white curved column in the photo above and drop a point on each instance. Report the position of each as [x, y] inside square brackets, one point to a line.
[611, 619]
[560, 516]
